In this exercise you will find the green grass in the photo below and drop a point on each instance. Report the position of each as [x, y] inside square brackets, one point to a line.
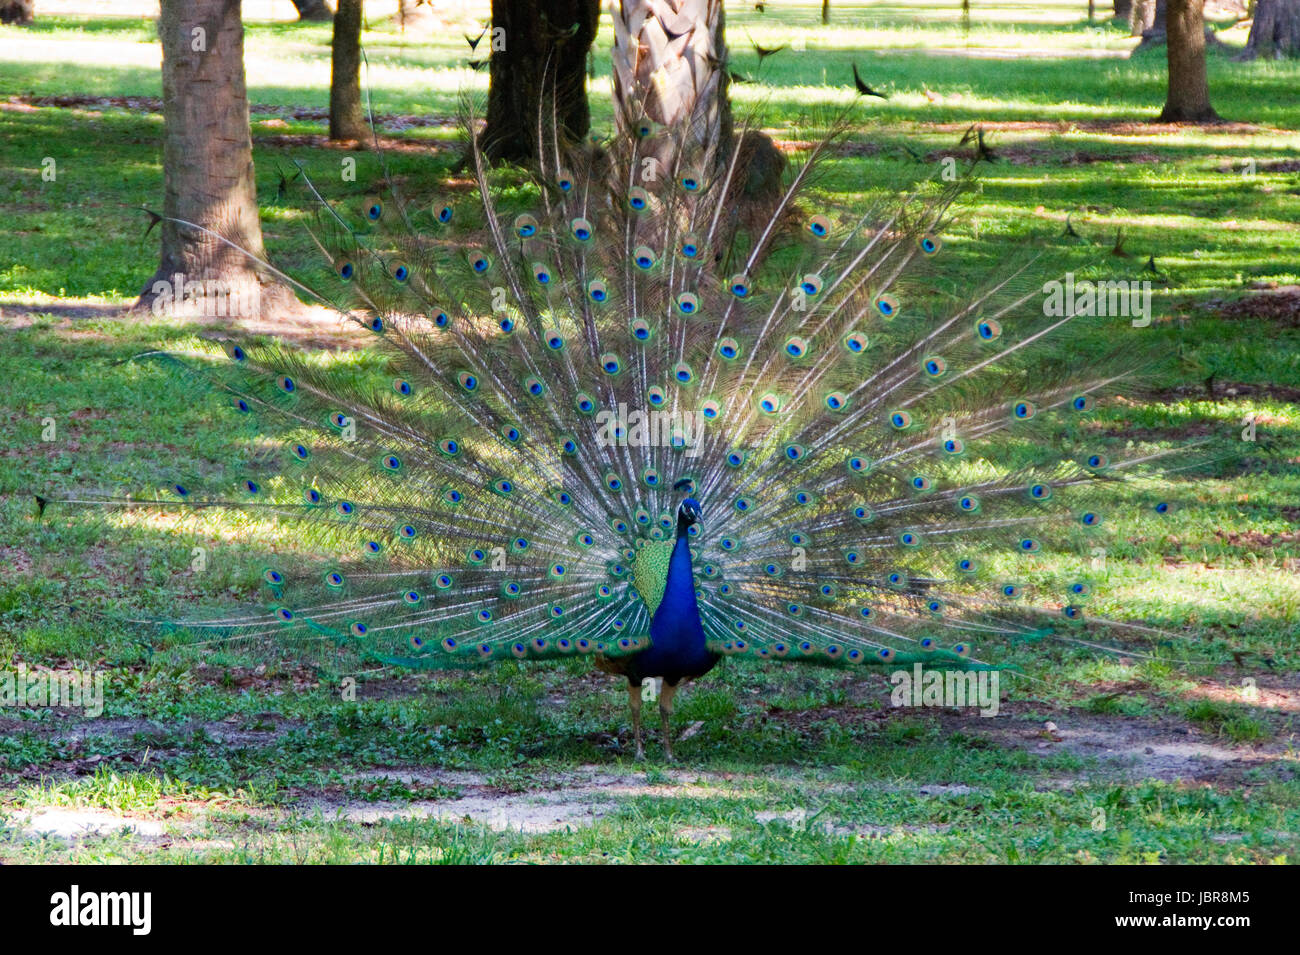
[273, 766]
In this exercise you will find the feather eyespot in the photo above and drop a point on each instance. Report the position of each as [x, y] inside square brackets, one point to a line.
[856, 342]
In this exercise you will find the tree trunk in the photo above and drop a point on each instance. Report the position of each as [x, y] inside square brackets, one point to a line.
[826, 11]
[1188, 100]
[1123, 9]
[416, 15]
[538, 61]
[347, 121]
[1275, 30]
[207, 170]
[1147, 19]
[670, 67]
[17, 11]
[312, 10]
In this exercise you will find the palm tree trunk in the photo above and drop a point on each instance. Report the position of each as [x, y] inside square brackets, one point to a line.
[347, 121]
[670, 68]
[207, 169]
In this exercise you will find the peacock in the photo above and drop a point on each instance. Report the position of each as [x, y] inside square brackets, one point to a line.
[607, 413]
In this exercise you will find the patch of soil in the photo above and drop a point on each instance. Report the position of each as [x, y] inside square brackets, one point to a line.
[1133, 749]
[1256, 539]
[1275, 303]
[308, 325]
[24, 315]
[1112, 127]
[1046, 156]
[1230, 389]
[152, 104]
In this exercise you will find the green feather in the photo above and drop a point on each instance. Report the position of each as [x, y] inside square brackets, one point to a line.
[650, 572]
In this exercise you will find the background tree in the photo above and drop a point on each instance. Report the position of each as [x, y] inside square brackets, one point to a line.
[538, 54]
[1148, 19]
[670, 66]
[416, 15]
[1275, 30]
[17, 11]
[312, 9]
[208, 163]
[1188, 98]
[347, 120]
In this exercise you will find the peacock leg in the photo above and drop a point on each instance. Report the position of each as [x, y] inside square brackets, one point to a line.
[634, 702]
[665, 718]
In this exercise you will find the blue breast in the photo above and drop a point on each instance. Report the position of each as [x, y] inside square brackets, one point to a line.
[676, 635]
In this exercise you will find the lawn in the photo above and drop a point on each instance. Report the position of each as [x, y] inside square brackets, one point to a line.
[1093, 758]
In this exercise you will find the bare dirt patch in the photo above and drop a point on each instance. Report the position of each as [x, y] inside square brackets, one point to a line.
[1278, 303]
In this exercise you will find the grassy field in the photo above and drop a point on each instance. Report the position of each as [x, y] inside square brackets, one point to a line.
[1091, 759]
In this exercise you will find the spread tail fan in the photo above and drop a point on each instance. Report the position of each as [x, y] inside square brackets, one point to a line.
[601, 418]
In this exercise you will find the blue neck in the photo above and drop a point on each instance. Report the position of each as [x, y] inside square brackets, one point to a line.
[678, 616]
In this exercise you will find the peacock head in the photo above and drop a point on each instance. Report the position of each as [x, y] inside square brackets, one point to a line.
[689, 512]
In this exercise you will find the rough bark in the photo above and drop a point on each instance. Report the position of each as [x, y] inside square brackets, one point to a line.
[207, 170]
[1147, 19]
[670, 67]
[1275, 30]
[312, 10]
[17, 11]
[1188, 99]
[347, 120]
[538, 58]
